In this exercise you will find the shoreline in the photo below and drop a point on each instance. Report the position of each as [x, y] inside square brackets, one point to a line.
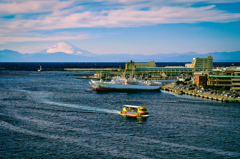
[169, 87]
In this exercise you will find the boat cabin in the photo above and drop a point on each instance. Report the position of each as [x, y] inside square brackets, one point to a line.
[135, 109]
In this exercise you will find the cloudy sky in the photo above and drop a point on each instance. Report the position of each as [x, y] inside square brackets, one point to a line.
[121, 26]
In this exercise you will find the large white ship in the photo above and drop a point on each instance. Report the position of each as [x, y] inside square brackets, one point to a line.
[122, 84]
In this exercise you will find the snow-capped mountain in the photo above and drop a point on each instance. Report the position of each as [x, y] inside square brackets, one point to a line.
[65, 52]
[61, 47]
[67, 48]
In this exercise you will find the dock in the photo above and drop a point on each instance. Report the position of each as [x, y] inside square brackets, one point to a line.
[170, 88]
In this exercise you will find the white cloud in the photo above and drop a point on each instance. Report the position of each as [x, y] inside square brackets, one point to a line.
[207, 1]
[170, 1]
[18, 7]
[127, 17]
[12, 7]
[66, 14]
[4, 40]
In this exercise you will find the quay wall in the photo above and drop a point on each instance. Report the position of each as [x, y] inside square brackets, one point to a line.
[170, 88]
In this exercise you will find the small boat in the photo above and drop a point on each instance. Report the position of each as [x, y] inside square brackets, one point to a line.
[136, 111]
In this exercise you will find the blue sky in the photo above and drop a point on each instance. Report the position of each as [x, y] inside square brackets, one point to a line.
[121, 26]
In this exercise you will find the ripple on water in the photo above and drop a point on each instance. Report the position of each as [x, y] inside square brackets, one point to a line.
[48, 115]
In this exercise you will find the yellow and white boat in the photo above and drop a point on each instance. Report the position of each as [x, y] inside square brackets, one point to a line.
[132, 110]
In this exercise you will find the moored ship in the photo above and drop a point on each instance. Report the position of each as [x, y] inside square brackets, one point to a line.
[122, 84]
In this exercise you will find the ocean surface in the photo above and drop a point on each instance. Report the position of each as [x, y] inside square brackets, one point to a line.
[34, 66]
[50, 115]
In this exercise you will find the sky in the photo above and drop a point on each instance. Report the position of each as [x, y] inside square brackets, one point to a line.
[121, 26]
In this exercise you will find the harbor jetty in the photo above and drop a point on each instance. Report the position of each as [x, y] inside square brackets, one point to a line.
[90, 69]
[169, 87]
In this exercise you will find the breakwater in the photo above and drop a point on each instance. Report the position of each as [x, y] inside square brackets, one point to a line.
[90, 69]
[53, 69]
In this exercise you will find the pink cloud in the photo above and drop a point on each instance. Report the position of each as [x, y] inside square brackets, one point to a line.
[4, 40]
[64, 15]
[18, 7]
[125, 18]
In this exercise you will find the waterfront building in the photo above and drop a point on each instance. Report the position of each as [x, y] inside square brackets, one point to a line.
[200, 80]
[232, 72]
[168, 71]
[202, 64]
[228, 70]
[218, 70]
[133, 65]
[174, 67]
[228, 81]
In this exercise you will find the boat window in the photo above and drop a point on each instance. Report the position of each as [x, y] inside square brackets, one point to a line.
[143, 109]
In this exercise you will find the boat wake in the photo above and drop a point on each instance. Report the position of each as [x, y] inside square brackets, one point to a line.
[43, 97]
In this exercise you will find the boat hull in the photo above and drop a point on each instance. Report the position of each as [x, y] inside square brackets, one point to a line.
[134, 114]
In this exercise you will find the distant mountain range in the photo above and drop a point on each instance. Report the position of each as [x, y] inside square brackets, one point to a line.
[65, 52]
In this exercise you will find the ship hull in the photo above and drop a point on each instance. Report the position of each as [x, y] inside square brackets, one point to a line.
[106, 86]
[115, 87]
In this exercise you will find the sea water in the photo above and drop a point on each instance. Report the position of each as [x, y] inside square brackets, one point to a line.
[50, 115]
